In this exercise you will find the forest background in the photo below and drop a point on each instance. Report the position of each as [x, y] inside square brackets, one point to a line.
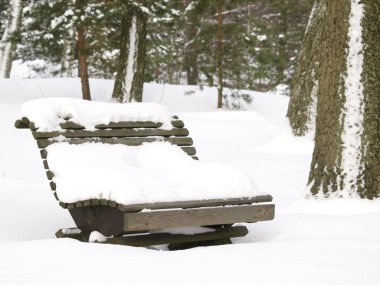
[261, 40]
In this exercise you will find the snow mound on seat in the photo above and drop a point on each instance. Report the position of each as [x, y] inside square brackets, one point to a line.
[152, 172]
[48, 113]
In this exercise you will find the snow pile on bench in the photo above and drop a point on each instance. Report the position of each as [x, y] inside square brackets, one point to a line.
[48, 113]
[152, 172]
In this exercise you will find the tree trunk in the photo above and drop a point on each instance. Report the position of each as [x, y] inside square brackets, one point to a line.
[67, 61]
[9, 38]
[282, 43]
[82, 61]
[82, 53]
[302, 108]
[346, 157]
[130, 73]
[191, 56]
[220, 53]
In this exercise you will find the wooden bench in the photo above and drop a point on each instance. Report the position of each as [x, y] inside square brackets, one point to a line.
[122, 222]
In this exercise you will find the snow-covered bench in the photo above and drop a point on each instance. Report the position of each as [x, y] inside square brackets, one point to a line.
[122, 169]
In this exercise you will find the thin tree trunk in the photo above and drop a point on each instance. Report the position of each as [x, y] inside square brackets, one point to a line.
[82, 52]
[191, 56]
[82, 60]
[220, 53]
[129, 81]
[282, 43]
[9, 38]
[346, 157]
[302, 110]
[68, 54]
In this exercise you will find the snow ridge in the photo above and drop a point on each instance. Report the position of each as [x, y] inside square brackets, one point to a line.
[354, 105]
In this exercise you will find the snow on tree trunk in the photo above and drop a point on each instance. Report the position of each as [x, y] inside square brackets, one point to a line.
[302, 109]
[8, 41]
[130, 74]
[346, 159]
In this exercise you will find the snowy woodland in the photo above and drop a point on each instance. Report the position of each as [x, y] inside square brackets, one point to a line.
[280, 97]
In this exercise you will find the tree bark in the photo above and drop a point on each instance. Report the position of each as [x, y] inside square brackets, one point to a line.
[82, 52]
[67, 61]
[9, 38]
[191, 57]
[131, 66]
[346, 157]
[82, 61]
[220, 53]
[302, 108]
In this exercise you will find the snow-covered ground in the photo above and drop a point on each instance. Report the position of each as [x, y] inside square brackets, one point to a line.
[309, 242]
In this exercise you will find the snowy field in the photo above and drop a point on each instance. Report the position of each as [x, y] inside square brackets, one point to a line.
[309, 242]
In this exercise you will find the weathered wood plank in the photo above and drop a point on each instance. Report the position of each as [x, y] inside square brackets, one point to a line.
[32, 126]
[71, 125]
[122, 125]
[197, 203]
[197, 217]
[112, 133]
[189, 150]
[43, 153]
[49, 174]
[147, 124]
[53, 186]
[22, 123]
[166, 238]
[132, 141]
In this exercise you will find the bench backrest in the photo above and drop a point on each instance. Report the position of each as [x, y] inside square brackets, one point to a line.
[126, 133]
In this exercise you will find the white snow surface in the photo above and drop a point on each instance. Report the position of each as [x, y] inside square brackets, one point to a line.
[48, 113]
[153, 172]
[335, 241]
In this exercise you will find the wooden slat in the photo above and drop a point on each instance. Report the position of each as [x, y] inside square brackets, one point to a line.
[147, 124]
[197, 203]
[53, 186]
[49, 174]
[43, 153]
[189, 150]
[22, 123]
[121, 125]
[112, 133]
[71, 125]
[132, 141]
[197, 217]
[46, 165]
[166, 238]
